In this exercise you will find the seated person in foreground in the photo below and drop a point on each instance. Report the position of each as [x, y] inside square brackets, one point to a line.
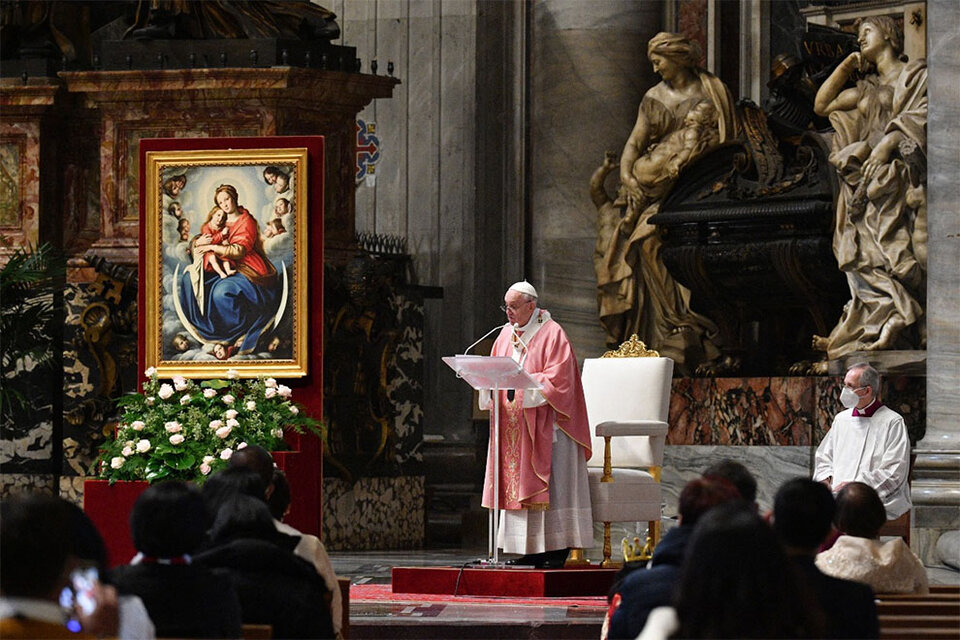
[802, 512]
[867, 442]
[168, 526]
[37, 555]
[275, 586]
[277, 495]
[643, 590]
[858, 554]
[736, 582]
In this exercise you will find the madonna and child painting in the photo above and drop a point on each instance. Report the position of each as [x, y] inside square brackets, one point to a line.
[227, 264]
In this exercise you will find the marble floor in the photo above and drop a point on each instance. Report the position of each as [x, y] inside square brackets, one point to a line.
[433, 620]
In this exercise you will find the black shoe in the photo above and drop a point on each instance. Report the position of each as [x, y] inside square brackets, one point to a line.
[530, 560]
[554, 559]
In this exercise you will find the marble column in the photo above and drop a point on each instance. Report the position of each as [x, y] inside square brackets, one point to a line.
[936, 483]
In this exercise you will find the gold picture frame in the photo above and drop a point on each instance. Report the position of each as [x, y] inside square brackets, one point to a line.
[224, 261]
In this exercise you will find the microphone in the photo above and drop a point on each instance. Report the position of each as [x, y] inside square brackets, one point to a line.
[496, 328]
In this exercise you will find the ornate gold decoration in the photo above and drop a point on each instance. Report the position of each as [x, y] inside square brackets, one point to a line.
[635, 552]
[632, 348]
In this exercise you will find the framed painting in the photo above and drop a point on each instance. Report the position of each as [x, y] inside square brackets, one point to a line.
[224, 248]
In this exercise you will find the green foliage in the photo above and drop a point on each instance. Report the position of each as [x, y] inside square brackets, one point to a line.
[28, 282]
[186, 431]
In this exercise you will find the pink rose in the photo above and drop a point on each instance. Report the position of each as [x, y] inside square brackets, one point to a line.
[209, 393]
[165, 391]
[204, 468]
[223, 432]
[176, 439]
[226, 453]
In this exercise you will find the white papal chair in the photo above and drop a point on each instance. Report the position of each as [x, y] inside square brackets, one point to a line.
[628, 399]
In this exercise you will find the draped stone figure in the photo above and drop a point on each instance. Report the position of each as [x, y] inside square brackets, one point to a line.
[684, 116]
[879, 151]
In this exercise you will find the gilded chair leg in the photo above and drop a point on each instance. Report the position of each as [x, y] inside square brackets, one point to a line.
[576, 558]
[607, 549]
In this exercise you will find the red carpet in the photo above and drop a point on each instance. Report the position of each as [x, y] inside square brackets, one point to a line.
[384, 593]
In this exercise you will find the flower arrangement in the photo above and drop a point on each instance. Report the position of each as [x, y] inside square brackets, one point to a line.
[186, 431]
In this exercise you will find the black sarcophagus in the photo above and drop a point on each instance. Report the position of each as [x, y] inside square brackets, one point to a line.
[748, 229]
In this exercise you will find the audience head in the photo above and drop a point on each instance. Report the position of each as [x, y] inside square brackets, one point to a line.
[736, 582]
[702, 494]
[36, 548]
[255, 459]
[279, 500]
[802, 513]
[225, 484]
[737, 475]
[242, 516]
[168, 520]
[860, 512]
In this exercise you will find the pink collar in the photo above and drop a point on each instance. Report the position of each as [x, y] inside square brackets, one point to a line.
[868, 410]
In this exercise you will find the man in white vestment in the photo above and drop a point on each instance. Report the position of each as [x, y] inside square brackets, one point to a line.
[544, 440]
[867, 443]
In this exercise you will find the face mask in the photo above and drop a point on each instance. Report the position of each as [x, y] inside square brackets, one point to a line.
[849, 398]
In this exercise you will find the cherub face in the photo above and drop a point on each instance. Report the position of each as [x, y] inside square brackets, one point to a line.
[282, 207]
[280, 183]
[220, 352]
[269, 231]
[274, 344]
[180, 343]
[176, 209]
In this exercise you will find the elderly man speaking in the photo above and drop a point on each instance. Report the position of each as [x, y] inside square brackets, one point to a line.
[867, 443]
[544, 440]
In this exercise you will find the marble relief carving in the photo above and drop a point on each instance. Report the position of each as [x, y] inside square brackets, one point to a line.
[11, 153]
[373, 513]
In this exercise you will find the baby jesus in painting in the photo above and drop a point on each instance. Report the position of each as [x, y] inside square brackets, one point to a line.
[216, 228]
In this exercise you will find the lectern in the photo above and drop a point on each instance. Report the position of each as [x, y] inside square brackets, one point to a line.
[496, 374]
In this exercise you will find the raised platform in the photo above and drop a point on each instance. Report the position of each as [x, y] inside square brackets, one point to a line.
[517, 583]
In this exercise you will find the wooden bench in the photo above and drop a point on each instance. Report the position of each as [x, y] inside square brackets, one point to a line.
[935, 616]
[256, 632]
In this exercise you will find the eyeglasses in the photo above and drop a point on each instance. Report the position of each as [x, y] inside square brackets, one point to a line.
[514, 307]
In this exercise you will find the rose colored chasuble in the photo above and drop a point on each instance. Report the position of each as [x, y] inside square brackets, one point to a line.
[527, 435]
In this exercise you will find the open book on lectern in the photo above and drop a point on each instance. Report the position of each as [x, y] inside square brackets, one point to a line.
[491, 372]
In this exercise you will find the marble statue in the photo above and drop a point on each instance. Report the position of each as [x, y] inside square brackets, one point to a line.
[879, 151]
[688, 113]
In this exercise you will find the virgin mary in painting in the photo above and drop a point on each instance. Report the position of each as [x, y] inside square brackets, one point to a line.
[234, 310]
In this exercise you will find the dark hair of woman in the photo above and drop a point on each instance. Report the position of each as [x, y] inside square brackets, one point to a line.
[225, 484]
[737, 582]
[279, 500]
[168, 520]
[860, 511]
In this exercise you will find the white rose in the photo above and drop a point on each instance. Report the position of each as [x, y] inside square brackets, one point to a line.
[223, 432]
[270, 382]
[209, 393]
[165, 391]
[143, 446]
[116, 462]
[242, 445]
[137, 425]
[208, 459]
[149, 401]
[284, 391]
[251, 405]
[179, 383]
[228, 399]
[232, 423]
[176, 438]
[269, 392]
[152, 371]
[294, 410]
[232, 374]
[205, 468]
[172, 427]
[277, 433]
[127, 451]
[226, 453]
[184, 399]
[231, 414]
